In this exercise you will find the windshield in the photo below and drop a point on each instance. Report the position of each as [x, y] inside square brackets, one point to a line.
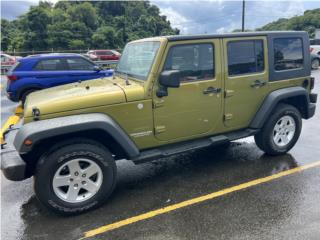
[137, 59]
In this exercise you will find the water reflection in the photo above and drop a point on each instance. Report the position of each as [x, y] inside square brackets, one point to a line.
[152, 185]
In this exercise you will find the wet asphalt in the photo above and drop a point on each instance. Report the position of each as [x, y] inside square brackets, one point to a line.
[285, 208]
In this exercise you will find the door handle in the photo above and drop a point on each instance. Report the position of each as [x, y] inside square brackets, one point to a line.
[211, 90]
[258, 84]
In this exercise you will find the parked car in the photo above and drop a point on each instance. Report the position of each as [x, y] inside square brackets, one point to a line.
[7, 61]
[315, 49]
[48, 70]
[96, 55]
[315, 61]
[168, 95]
[314, 41]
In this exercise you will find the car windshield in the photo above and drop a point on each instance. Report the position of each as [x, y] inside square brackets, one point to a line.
[137, 59]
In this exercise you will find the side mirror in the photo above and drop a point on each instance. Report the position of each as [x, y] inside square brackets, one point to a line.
[168, 78]
[97, 68]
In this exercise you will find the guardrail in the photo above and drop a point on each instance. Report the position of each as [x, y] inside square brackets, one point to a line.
[107, 63]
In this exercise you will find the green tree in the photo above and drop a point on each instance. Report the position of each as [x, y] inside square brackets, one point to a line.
[309, 21]
[79, 24]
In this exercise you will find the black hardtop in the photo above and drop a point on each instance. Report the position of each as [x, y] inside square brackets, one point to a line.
[237, 34]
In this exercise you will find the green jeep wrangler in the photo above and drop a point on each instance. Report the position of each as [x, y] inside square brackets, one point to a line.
[168, 95]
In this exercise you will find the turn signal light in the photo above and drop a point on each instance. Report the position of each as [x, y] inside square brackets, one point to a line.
[27, 142]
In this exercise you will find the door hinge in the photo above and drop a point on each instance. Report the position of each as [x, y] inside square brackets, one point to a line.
[228, 116]
[228, 93]
[160, 129]
[158, 103]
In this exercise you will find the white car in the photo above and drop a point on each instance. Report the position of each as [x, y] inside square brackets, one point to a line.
[315, 49]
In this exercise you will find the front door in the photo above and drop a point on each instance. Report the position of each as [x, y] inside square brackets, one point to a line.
[246, 79]
[194, 108]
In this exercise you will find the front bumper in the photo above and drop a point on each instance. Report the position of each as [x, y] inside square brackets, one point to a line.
[12, 165]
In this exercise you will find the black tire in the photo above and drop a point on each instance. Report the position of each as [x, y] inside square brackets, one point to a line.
[264, 139]
[50, 163]
[25, 94]
[315, 63]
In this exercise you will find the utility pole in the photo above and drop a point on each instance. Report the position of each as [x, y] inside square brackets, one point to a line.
[243, 11]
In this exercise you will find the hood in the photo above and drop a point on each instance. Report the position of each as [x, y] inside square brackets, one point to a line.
[81, 95]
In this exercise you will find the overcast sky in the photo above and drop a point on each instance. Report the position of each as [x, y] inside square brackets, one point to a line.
[196, 17]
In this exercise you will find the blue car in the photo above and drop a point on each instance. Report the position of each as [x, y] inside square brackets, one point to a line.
[42, 71]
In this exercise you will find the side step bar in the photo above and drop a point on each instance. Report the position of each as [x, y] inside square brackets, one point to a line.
[173, 149]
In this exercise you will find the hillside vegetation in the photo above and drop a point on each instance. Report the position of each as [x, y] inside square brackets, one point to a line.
[308, 22]
[82, 25]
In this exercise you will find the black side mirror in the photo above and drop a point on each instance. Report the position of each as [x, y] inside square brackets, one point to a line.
[168, 78]
[97, 68]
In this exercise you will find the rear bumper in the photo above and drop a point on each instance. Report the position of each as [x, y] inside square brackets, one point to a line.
[12, 96]
[312, 105]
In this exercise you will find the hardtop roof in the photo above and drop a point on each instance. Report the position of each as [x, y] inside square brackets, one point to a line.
[236, 34]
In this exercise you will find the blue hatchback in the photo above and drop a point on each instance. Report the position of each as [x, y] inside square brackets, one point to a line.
[42, 71]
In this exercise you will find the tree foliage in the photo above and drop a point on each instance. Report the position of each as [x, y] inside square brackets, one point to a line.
[308, 22]
[81, 25]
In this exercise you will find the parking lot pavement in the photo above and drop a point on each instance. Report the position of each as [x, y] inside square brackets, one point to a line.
[283, 208]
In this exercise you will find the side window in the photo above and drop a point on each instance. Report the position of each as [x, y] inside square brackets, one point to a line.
[245, 57]
[194, 61]
[79, 64]
[50, 65]
[288, 53]
[109, 53]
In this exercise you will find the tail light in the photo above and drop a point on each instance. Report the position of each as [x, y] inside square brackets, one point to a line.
[311, 49]
[12, 77]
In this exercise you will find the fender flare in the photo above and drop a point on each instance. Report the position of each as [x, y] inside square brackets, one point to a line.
[44, 129]
[274, 98]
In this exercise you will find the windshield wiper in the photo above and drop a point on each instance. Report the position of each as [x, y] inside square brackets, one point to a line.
[125, 76]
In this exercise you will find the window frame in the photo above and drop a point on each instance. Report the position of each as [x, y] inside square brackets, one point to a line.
[303, 56]
[249, 73]
[86, 60]
[46, 59]
[275, 76]
[194, 43]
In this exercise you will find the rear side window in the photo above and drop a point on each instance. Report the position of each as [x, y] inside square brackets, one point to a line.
[50, 65]
[245, 56]
[79, 64]
[288, 53]
[194, 61]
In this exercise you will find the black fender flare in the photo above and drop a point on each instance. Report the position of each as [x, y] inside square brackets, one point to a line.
[40, 130]
[277, 96]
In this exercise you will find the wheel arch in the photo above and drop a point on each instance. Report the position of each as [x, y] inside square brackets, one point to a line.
[295, 96]
[96, 126]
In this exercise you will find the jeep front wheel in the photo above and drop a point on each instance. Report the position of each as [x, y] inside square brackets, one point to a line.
[281, 131]
[75, 178]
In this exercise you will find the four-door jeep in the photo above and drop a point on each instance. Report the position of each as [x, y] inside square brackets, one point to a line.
[168, 95]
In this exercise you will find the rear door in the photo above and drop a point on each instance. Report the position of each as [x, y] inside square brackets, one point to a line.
[49, 72]
[194, 108]
[246, 78]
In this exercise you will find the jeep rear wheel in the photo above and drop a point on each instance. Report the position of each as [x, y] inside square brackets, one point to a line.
[281, 132]
[75, 178]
